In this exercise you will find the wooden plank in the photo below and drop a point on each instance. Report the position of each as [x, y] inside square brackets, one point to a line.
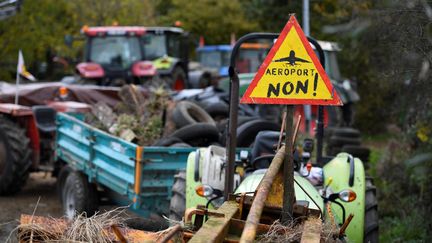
[312, 231]
[216, 228]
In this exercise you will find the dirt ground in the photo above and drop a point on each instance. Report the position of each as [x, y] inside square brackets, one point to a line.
[11, 207]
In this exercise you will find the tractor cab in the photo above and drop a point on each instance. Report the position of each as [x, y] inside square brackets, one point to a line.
[114, 55]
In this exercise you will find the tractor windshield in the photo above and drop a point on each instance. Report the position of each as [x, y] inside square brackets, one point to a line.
[332, 66]
[154, 46]
[214, 59]
[115, 51]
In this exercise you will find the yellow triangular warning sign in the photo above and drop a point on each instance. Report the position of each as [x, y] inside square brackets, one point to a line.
[291, 73]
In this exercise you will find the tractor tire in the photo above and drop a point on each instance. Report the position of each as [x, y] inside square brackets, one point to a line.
[199, 134]
[371, 232]
[346, 132]
[247, 132]
[335, 150]
[178, 198]
[78, 195]
[186, 113]
[167, 141]
[217, 110]
[357, 151]
[179, 79]
[14, 157]
[342, 141]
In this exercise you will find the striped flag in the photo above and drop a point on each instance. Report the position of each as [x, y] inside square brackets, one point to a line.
[21, 69]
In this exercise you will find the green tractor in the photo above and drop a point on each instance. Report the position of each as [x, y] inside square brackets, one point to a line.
[218, 178]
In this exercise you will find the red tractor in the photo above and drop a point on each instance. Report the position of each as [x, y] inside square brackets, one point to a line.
[26, 141]
[114, 55]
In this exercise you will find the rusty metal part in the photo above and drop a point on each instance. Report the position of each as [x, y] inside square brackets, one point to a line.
[281, 130]
[170, 234]
[118, 234]
[294, 138]
[288, 169]
[216, 228]
[193, 211]
[15, 110]
[263, 190]
[312, 231]
[241, 203]
[345, 224]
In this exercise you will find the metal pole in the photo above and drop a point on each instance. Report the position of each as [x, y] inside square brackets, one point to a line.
[307, 108]
[288, 168]
[17, 87]
[320, 134]
[306, 28]
[233, 109]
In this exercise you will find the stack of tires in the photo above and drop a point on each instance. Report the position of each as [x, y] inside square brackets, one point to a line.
[346, 139]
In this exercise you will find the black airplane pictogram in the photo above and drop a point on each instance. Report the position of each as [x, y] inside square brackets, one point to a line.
[291, 59]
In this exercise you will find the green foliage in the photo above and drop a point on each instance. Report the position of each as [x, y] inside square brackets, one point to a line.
[36, 30]
[213, 19]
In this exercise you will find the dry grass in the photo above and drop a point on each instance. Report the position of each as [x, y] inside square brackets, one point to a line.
[81, 229]
[280, 233]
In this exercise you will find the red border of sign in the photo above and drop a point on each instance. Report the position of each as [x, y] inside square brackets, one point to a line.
[249, 100]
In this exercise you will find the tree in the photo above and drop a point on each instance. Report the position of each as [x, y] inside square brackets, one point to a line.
[213, 19]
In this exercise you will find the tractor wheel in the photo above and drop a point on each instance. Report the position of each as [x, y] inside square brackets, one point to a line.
[347, 132]
[14, 157]
[371, 232]
[179, 79]
[357, 151]
[178, 198]
[341, 141]
[78, 195]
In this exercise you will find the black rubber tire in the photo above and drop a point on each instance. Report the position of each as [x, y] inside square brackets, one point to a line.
[335, 150]
[357, 151]
[168, 141]
[180, 145]
[61, 179]
[199, 134]
[347, 132]
[178, 74]
[219, 109]
[186, 113]
[78, 195]
[15, 159]
[247, 132]
[371, 231]
[342, 141]
[178, 198]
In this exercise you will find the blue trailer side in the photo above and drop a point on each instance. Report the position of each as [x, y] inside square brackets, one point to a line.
[136, 175]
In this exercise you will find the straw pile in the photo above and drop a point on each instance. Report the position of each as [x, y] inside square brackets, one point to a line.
[280, 233]
[97, 228]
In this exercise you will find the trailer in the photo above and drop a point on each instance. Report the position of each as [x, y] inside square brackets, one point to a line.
[97, 164]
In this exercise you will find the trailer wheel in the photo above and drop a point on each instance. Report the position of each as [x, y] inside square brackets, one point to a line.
[178, 198]
[14, 157]
[371, 233]
[78, 195]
